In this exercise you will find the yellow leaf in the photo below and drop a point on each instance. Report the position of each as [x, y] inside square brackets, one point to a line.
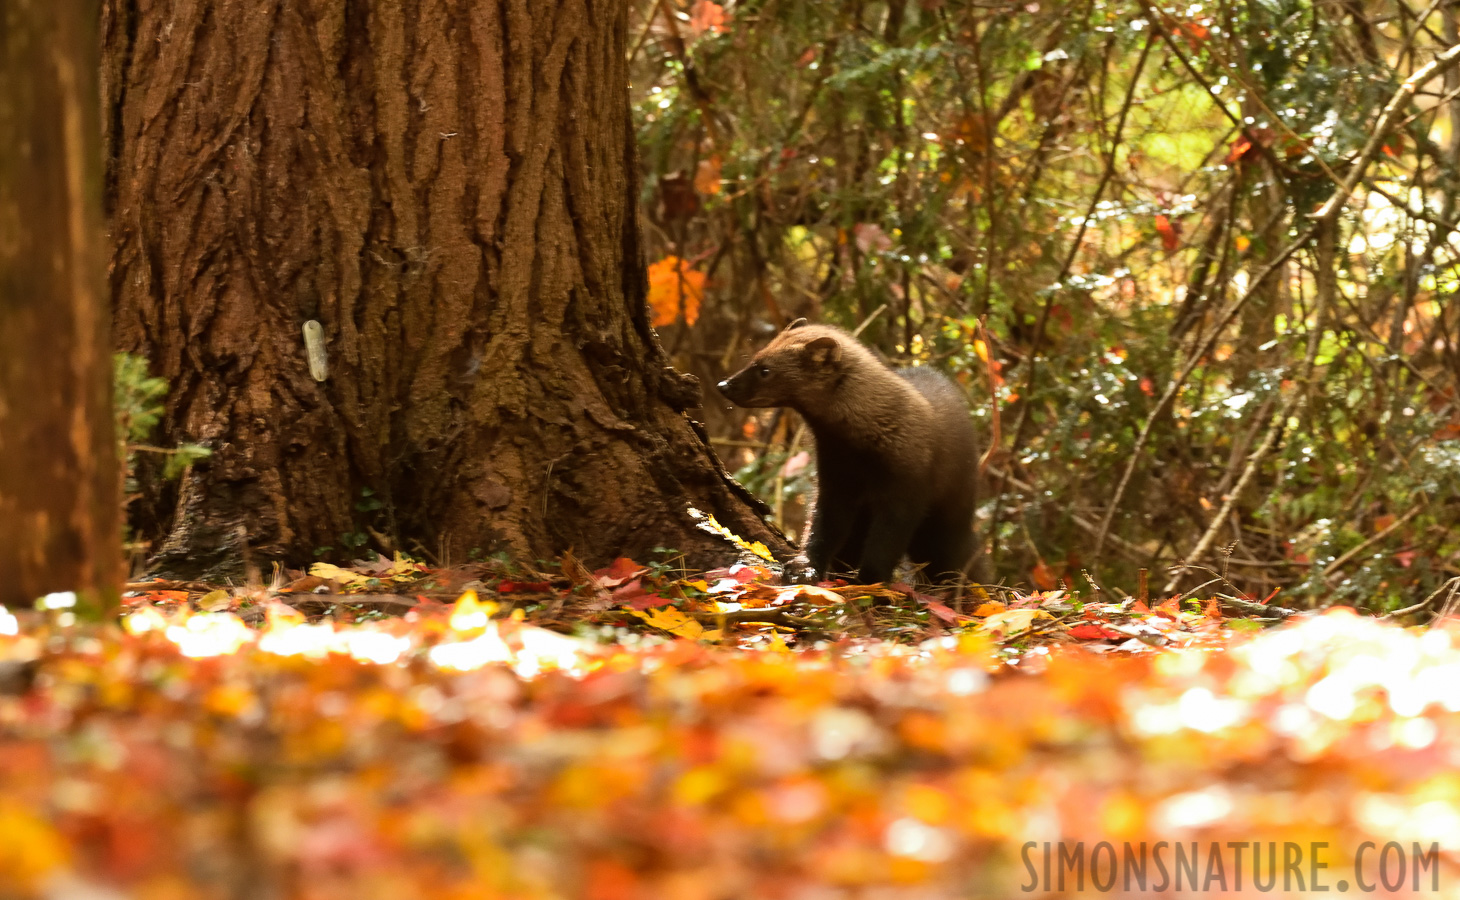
[1014, 620]
[675, 291]
[761, 550]
[699, 585]
[214, 601]
[698, 785]
[708, 523]
[469, 613]
[929, 804]
[335, 573]
[667, 618]
[228, 699]
[981, 350]
[993, 607]
[1243, 242]
[30, 848]
[817, 596]
[404, 569]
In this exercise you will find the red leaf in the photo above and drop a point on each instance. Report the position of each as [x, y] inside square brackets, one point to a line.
[523, 587]
[1170, 233]
[941, 610]
[1093, 632]
[935, 606]
[621, 570]
[634, 596]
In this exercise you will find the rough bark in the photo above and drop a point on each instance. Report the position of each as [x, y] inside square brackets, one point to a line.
[60, 502]
[450, 189]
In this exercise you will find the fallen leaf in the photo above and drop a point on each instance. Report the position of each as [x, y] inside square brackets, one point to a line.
[1091, 631]
[619, 571]
[669, 619]
[1013, 621]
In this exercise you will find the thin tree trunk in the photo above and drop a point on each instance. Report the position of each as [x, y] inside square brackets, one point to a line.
[60, 501]
[450, 190]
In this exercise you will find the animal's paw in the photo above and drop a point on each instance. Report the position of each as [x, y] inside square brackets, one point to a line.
[798, 570]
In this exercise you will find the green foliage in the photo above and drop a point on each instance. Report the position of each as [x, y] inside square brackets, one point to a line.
[923, 167]
[137, 398]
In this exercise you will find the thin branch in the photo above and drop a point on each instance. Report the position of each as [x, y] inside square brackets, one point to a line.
[1022, 423]
[1327, 290]
[1198, 353]
[1437, 66]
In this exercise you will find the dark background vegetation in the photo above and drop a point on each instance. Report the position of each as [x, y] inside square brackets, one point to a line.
[1185, 366]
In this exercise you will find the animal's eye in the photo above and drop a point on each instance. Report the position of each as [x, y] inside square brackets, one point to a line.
[763, 371]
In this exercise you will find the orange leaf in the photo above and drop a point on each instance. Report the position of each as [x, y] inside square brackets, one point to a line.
[708, 16]
[707, 176]
[675, 291]
[1044, 577]
[1240, 148]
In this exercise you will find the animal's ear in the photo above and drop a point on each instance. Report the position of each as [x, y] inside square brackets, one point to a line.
[824, 351]
[796, 324]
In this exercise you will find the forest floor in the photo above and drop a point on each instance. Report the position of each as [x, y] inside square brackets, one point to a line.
[392, 730]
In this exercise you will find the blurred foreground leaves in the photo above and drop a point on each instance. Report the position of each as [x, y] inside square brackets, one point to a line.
[461, 751]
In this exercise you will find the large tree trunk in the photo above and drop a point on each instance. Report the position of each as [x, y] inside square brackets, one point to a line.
[450, 189]
[60, 500]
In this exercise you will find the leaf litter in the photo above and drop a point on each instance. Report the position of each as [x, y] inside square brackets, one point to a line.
[642, 732]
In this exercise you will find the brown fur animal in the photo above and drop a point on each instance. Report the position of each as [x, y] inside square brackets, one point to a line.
[895, 453]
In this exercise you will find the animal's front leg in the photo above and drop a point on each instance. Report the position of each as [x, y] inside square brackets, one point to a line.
[893, 524]
[831, 524]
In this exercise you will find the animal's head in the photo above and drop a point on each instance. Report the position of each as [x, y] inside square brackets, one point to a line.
[798, 369]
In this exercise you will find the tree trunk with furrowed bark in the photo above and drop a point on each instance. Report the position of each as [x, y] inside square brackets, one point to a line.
[449, 189]
[60, 481]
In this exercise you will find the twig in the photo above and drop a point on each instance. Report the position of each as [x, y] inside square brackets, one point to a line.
[1331, 570]
[771, 616]
[1453, 584]
[1327, 290]
[1027, 394]
[1198, 353]
[1437, 66]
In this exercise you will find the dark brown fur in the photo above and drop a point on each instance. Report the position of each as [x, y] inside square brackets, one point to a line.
[895, 451]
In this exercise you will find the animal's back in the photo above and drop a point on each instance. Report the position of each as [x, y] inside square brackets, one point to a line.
[954, 438]
[945, 539]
